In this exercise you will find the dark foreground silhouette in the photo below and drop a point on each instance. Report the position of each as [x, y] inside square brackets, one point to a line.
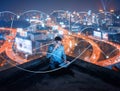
[79, 76]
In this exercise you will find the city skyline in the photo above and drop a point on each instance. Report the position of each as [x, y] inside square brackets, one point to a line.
[48, 6]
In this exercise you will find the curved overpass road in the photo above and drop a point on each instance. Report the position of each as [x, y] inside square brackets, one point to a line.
[7, 47]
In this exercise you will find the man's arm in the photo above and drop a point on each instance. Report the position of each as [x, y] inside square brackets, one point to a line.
[64, 57]
[49, 52]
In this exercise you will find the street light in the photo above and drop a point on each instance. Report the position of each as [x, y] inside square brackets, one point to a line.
[18, 16]
[111, 10]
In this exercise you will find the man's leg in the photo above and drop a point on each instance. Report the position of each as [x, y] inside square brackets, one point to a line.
[52, 65]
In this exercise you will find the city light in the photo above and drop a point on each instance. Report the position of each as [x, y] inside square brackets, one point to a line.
[118, 17]
[111, 10]
[101, 11]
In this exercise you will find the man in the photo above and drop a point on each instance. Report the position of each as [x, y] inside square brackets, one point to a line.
[56, 54]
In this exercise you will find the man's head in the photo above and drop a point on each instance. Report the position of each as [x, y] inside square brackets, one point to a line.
[58, 39]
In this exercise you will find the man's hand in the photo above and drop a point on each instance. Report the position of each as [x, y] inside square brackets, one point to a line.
[56, 46]
[67, 62]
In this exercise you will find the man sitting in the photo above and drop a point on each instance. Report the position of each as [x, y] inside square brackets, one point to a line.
[56, 54]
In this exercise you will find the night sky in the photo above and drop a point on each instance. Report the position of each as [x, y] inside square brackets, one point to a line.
[48, 6]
